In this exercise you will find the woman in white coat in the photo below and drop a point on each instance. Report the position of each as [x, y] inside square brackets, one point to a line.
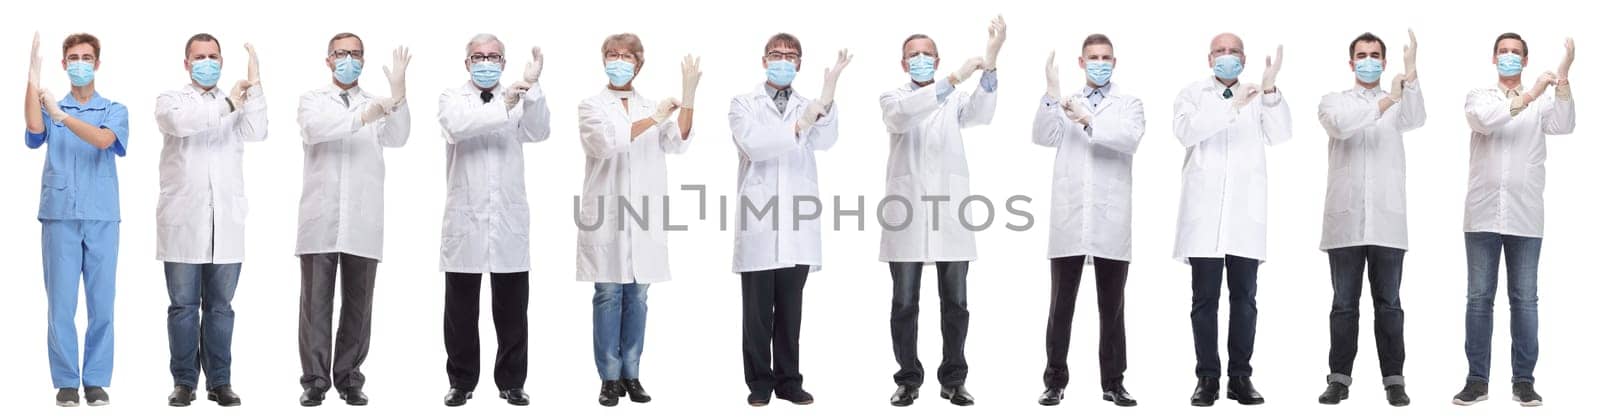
[622, 241]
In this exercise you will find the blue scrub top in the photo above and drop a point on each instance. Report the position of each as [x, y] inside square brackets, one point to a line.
[80, 181]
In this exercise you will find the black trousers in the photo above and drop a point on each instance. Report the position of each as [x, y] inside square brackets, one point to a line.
[953, 318]
[509, 295]
[772, 309]
[1110, 277]
[1207, 285]
[318, 356]
[1383, 268]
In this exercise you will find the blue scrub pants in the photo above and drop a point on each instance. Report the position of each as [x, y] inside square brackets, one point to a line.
[89, 248]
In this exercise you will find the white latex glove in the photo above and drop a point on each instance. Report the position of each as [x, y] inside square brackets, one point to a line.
[1078, 112]
[377, 109]
[830, 77]
[48, 101]
[240, 93]
[514, 94]
[535, 67]
[1398, 86]
[1052, 78]
[1566, 63]
[36, 63]
[1243, 95]
[809, 118]
[664, 109]
[397, 73]
[1269, 78]
[253, 74]
[967, 68]
[691, 80]
[1411, 57]
[1545, 80]
[997, 37]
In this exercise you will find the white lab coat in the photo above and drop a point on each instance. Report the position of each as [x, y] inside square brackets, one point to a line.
[777, 165]
[620, 167]
[200, 216]
[927, 158]
[1366, 199]
[485, 226]
[1505, 184]
[341, 201]
[1091, 202]
[1223, 210]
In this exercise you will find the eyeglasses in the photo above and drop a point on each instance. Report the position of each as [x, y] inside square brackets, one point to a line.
[481, 58]
[87, 58]
[1226, 51]
[786, 56]
[342, 53]
[620, 55]
[915, 54]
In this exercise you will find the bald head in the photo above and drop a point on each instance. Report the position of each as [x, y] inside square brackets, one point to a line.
[1226, 44]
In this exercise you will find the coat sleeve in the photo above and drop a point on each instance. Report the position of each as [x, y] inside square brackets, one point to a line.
[1412, 113]
[1343, 116]
[977, 109]
[249, 123]
[462, 120]
[757, 141]
[671, 138]
[178, 116]
[1487, 111]
[1275, 118]
[903, 110]
[395, 129]
[321, 121]
[1050, 123]
[1559, 115]
[1120, 134]
[1195, 120]
[602, 137]
[825, 132]
[534, 123]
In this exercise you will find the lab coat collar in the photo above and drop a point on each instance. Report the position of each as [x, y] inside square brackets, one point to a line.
[767, 91]
[95, 102]
[1367, 92]
[1507, 92]
[196, 90]
[616, 96]
[471, 89]
[1217, 85]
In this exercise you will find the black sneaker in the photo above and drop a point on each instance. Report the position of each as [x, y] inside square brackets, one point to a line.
[1523, 393]
[67, 397]
[1396, 395]
[96, 396]
[1473, 393]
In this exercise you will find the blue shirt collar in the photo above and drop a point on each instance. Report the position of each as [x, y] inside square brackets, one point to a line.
[95, 102]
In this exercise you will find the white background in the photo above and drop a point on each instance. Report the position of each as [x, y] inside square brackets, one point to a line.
[692, 356]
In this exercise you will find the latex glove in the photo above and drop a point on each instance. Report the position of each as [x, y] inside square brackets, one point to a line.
[830, 77]
[253, 74]
[1269, 78]
[1078, 112]
[997, 37]
[241, 91]
[1566, 63]
[397, 73]
[377, 109]
[813, 112]
[36, 63]
[1411, 56]
[48, 102]
[1052, 78]
[967, 68]
[1398, 86]
[535, 67]
[664, 109]
[515, 93]
[1545, 80]
[691, 80]
[1243, 95]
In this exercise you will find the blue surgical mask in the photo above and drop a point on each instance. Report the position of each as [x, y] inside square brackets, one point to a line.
[1099, 72]
[347, 70]
[620, 72]
[780, 72]
[1508, 64]
[80, 73]
[205, 72]
[1369, 70]
[1227, 67]
[485, 74]
[921, 68]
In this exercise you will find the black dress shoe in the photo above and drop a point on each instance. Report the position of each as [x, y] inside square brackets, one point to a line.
[181, 396]
[636, 392]
[1051, 396]
[610, 391]
[353, 396]
[903, 396]
[457, 397]
[223, 396]
[1205, 392]
[1397, 395]
[312, 397]
[1335, 393]
[1119, 396]
[1240, 389]
[796, 396]
[515, 396]
[957, 395]
[759, 399]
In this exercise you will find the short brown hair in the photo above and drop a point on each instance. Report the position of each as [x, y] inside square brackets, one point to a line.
[916, 36]
[784, 39]
[1383, 49]
[345, 35]
[80, 39]
[199, 37]
[626, 40]
[1097, 39]
[1503, 36]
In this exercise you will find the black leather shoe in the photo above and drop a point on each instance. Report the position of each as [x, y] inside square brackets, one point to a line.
[1051, 396]
[1240, 389]
[223, 396]
[759, 399]
[636, 392]
[796, 396]
[903, 396]
[312, 397]
[515, 396]
[1397, 395]
[1119, 396]
[353, 396]
[957, 395]
[610, 391]
[1205, 392]
[181, 396]
[456, 397]
[1335, 393]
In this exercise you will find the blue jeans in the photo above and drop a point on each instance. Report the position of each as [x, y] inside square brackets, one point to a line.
[200, 322]
[1522, 288]
[619, 314]
[86, 249]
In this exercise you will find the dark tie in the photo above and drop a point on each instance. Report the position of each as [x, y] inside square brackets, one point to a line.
[345, 95]
[486, 96]
[1227, 93]
[781, 99]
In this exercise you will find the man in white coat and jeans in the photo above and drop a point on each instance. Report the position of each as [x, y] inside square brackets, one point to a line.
[776, 246]
[201, 214]
[1225, 127]
[485, 123]
[927, 186]
[1095, 132]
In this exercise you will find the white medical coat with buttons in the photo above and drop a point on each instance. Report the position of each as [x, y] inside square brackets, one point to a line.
[1091, 203]
[1505, 181]
[928, 159]
[777, 165]
[1366, 198]
[619, 166]
[485, 227]
[341, 200]
[200, 215]
[1223, 209]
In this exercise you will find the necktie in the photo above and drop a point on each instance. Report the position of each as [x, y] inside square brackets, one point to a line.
[781, 99]
[346, 97]
[1227, 93]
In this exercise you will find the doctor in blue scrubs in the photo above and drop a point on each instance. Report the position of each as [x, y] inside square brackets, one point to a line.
[82, 134]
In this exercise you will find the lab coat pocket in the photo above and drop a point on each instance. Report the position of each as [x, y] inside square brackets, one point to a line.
[598, 214]
[1338, 194]
[754, 196]
[456, 225]
[898, 213]
[1115, 200]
